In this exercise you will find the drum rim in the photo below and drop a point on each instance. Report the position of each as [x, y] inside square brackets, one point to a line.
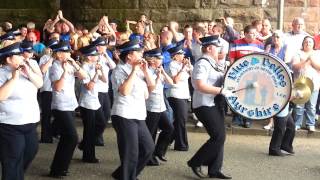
[283, 64]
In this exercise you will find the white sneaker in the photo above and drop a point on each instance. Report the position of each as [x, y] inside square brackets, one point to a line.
[267, 127]
[199, 124]
[312, 128]
[298, 128]
[194, 117]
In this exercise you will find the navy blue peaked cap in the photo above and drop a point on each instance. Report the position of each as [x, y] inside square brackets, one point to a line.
[13, 49]
[178, 49]
[62, 46]
[100, 41]
[51, 42]
[27, 46]
[7, 36]
[128, 46]
[153, 53]
[89, 50]
[210, 40]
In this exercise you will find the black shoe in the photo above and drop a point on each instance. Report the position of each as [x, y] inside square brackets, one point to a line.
[219, 175]
[58, 175]
[162, 158]
[80, 146]
[197, 171]
[94, 160]
[181, 149]
[153, 162]
[290, 151]
[99, 141]
[46, 141]
[275, 153]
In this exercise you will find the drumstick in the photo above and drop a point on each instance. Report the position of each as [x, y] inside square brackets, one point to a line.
[250, 86]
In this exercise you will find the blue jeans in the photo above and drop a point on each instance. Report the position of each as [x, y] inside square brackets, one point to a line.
[309, 108]
[169, 110]
[240, 120]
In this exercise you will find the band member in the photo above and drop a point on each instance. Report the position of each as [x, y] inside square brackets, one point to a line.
[178, 95]
[45, 64]
[131, 81]
[207, 80]
[107, 64]
[64, 102]
[283, 133]
[28, 52]
[19, 112]
[90, 107]
[156, 108]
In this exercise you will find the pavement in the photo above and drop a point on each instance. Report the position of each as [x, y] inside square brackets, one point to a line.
[245, 158]
[255, 129]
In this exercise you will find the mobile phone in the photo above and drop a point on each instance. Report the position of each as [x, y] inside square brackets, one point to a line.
[218, 20]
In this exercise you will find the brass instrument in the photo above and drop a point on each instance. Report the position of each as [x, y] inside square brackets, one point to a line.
[302, 90]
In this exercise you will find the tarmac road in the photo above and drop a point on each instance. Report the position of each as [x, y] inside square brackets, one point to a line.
[245, 159]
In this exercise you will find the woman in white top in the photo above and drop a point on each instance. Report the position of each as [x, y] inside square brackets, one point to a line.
[306, 63]
[19, 112]
[178, 95]
[131, 83]
[90, 107]
[45, 64]
[64, 102]
[107, 64]
[156, 108]
[207, 80]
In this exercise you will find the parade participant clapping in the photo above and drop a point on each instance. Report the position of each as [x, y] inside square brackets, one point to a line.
[102, 87]
[207, 81]
[178, 95]
[131, 82]
[19, 113]
[156, 108]
[45, 64]
[62, 75]
[90, 107]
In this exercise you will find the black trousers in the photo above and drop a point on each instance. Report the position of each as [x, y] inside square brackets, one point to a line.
[135, 146]
[211, 152]
[89, 118]
[283, 134]
[18, 147]
[68, 140]
[46, 126]
[160, 120]
[101, 123]
[180, 112]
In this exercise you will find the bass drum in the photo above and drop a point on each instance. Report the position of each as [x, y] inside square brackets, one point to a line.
[261, 86]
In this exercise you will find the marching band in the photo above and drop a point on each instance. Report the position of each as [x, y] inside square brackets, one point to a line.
[138, 109]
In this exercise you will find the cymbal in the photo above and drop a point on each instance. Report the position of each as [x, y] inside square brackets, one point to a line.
[305, 87]
[304, 80]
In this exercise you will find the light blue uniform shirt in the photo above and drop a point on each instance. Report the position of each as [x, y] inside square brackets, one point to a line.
[204, 71]
[132, 106]
[180, 90]
[284, 112]
[65, 100]
[89, 98]
[107, 63]
[46, 80]
[22, 106]
[155, 102]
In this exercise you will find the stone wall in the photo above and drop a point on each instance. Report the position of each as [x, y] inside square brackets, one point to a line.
[88, 12]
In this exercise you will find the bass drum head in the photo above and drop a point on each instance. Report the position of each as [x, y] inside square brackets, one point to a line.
[261, 85]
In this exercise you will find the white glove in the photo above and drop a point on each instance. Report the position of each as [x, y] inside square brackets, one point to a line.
[298, 94]
[226, 93]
